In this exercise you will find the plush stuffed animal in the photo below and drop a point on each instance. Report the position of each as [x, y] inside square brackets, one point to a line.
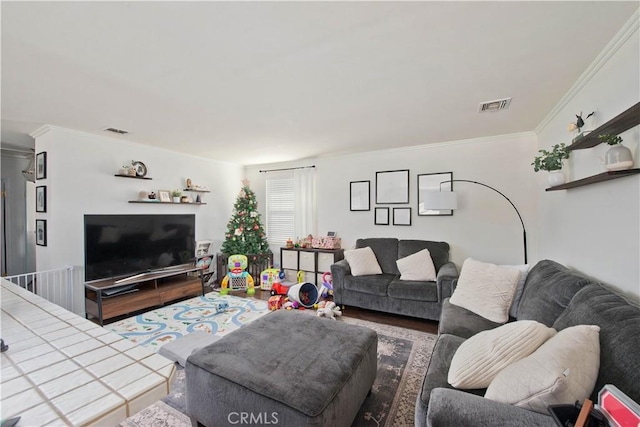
[328, 309]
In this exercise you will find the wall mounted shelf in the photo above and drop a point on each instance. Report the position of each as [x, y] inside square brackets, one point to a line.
[196, 191]
[133, 177]
[622, 122]
[165, 203]
[605, 176]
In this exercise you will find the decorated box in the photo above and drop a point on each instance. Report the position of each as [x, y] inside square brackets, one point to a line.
[326, 242]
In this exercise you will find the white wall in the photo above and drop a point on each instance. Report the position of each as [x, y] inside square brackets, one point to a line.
[596, 229]
[484, 226]
[80, 180]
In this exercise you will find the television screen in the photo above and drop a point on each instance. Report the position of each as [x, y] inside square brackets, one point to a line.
[121, 245]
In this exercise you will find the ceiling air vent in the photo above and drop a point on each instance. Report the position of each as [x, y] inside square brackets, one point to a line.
[497, 105]
[118, 131]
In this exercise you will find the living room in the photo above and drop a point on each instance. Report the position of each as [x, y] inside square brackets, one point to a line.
[593, 229]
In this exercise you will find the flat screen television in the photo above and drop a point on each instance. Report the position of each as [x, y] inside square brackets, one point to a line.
[123, 245]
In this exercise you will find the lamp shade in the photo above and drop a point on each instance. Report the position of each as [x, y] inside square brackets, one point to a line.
[439, 200]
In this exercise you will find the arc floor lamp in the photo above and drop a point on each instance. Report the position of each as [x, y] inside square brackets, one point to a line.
[448, 200]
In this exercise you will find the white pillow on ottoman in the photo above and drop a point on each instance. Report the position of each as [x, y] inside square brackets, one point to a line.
[362, 261]
[418, 266]
[486, 289]
[480, 358]
[563, 370]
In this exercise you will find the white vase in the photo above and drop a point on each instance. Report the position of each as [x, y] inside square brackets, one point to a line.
[176, 199]
[618, 158]
[556, 178]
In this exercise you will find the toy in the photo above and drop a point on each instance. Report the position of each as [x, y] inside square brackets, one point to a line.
[276, 302]
[300, 276]
[268, 277]
[327, 285]
[279, 289]
[237, 278]
[328, 309]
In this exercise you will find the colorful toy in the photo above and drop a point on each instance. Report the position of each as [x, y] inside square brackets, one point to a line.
[268, 277]
[328, 309]
[279, 289]
[326, 288]
[276, 302]
[300, 276]
[237, 278]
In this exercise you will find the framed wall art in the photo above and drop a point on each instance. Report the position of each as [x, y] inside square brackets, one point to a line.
[360, 196]
[41, 165]
[401, 216]
[392, 187]
[164, 196]
[41, 198]
[41, 232]
[381, 216]
[430, 197]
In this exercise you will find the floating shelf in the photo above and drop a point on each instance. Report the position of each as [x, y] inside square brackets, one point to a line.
[196, 191]
[622, 122]
[165, 203]
[132, 177]
[605, 176]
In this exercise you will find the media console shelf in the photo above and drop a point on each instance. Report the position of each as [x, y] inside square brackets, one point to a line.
[109, 298]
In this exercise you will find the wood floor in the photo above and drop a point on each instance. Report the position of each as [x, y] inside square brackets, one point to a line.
[372, 316]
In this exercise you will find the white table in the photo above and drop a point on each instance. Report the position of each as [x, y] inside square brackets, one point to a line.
[62, 369]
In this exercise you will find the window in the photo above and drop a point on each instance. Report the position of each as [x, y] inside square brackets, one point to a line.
[280, 209]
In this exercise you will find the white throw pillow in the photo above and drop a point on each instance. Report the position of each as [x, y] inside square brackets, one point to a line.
[480, 358]
[563, 370]
[418, 266]
[362, 261]
[486, 289]
[524, 272]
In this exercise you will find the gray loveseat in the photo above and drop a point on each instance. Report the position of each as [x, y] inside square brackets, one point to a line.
[386, 292]
[554, 296]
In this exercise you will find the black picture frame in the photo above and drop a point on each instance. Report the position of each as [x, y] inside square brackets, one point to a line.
[392, 187]
[41, 232]
[402, 216]
[41, 165]
[41, 198]
[360, 196]
[381, 216]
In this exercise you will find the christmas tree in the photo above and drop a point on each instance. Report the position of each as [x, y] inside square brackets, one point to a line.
[245, 234]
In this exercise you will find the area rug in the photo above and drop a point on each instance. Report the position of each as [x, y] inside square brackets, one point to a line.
[403, 356]
[157, 327]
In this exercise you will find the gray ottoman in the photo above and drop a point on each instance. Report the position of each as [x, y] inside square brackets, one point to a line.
[286, 368]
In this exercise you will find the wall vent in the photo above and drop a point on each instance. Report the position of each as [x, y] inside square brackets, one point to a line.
[118, 131]
[497, 105]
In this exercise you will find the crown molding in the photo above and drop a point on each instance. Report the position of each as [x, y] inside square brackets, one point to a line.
[622, 36]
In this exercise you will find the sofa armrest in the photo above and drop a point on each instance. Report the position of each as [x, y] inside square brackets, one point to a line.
[339, 271]
[447, 275]
[456, 408]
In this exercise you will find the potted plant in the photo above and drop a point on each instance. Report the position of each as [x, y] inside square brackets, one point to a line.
[618, 157]
[176, 195]
[551, 161]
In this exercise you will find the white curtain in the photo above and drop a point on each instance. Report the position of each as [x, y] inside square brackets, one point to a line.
[304, 186]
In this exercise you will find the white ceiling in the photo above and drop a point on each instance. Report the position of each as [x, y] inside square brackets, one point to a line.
[259, 82]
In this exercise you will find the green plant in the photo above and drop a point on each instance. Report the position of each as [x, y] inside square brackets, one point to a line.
[551, 160]
[610, 139]
[176, 193]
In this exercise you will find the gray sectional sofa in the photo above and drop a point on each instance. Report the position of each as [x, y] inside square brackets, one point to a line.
[386, 292]
[554, 296]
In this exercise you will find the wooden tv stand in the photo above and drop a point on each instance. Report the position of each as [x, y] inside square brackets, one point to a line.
[109, 298]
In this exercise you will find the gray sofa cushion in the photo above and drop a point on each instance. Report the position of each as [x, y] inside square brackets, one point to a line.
[619, 323]
[548, 291]
[413, 290]
[461, 322]
[439, 250]
[376, 284]
[386, 251]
